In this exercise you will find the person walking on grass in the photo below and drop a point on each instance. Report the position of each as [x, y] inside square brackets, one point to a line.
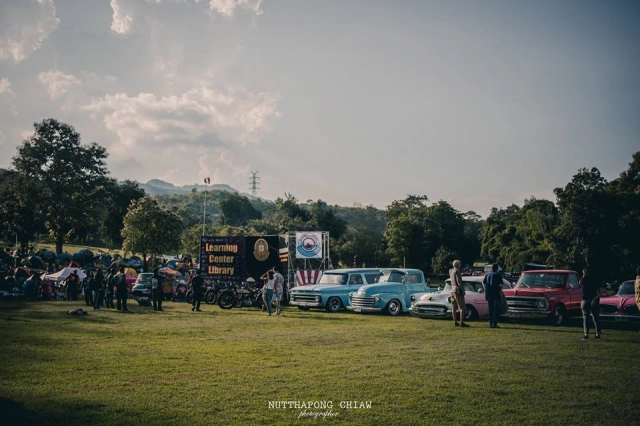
[492, 284]
[98, 289]
[267, 277]
[120, 281]
[590, 304]
[197, 286]
[457, 294]
[278, 285]
[156, 290]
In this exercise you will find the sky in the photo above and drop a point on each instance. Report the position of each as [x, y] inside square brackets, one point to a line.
[481, 103]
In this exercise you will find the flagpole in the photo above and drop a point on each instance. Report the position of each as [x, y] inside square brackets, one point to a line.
[204, 208]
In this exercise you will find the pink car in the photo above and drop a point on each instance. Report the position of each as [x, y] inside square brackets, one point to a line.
[621, 306]
[437, 305]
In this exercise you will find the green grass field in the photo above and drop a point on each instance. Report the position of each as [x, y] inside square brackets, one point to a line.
[226, 367]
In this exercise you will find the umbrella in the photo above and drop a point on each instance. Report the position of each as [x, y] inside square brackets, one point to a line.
[64, 257]
[35, 262]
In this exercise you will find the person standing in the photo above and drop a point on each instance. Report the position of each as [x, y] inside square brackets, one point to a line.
[110, 282]
[457, 294]
[590, 304]
[121, 288]
[278, 285]
[98, 292]
[492, 284]
[72, 282]
[87, 289]
[269, 284]
[197, 285]
[156, 290]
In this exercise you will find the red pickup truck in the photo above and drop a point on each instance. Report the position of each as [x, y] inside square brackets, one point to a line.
[553, 294]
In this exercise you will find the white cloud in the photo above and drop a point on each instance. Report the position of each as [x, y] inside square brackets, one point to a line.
[24, 25]
[125, 12]
[122, 17]
[57, 83]
[5, 86]
[232, 114]
[222, 168]
[227, 8]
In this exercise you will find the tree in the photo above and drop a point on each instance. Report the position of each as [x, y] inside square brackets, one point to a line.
[586, 225]
[115, 207]
[237, 210]
[73, 176]
[441, 262]
[150, 229]
[21, 215]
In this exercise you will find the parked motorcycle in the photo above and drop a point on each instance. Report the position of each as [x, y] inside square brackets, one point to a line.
[243, 295]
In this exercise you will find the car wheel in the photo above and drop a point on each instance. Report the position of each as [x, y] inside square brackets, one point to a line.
[471, 313]
[334, 304]
[394, 308]
[303, 308]
[559, 315]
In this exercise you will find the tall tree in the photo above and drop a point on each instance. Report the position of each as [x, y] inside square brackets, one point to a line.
[150, 229]
[115, 207]
[21, 216]
[73, 176]
[584, 234]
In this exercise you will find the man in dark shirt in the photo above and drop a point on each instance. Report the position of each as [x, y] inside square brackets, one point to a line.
[197, 286]
[590, 304]
[492, 284]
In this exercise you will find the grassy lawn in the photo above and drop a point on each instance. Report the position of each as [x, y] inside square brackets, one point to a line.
[224, 367]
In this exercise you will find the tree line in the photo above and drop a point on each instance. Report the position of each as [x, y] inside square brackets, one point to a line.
[59, 188]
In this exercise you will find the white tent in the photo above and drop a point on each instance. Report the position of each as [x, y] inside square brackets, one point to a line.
[62, 274]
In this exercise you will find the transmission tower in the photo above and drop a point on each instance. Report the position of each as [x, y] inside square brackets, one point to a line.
[254, 185]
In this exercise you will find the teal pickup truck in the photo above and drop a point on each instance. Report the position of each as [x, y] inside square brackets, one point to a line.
[392, 294]
[331, 292]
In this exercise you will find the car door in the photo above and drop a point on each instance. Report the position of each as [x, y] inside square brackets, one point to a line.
[575, 292]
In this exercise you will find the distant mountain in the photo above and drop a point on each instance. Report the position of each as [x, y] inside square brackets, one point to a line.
[159, 187]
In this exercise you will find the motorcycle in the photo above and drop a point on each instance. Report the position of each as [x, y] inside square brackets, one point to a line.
[240, 296]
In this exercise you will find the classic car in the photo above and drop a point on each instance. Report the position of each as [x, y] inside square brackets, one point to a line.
[438, 305]
[620, 306]
[391, 294]
[141, 290]
[331, 292]
[548, 293]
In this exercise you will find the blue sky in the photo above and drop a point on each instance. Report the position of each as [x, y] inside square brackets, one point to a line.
[479, 103]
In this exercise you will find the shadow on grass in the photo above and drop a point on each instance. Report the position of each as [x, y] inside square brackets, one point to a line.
[15, 414]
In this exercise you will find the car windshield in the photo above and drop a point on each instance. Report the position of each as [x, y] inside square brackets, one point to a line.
[468, 285]
[626, 288]
[331, 278]
[391, 277]
[542, 280]
[143, 277]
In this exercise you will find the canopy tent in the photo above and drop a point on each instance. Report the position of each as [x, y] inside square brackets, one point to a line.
[62, 274]
[168, 271]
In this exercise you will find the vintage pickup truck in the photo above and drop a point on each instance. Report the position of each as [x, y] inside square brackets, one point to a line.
[553, 294]
[332, 290]
[392, 294]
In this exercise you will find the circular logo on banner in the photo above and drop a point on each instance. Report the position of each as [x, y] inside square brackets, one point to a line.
[261, 250]
[308, 245]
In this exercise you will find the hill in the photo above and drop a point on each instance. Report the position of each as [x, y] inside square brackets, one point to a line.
[156, 187]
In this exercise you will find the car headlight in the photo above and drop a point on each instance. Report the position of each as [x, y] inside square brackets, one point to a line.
[376, 298]
[413, 298]
[317, 298]
[542, 304]
[350, 296]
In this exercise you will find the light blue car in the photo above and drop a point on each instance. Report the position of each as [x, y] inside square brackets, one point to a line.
[331, 292]
[392, 294]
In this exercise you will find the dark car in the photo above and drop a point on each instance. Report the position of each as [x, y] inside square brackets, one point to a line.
[141, 290]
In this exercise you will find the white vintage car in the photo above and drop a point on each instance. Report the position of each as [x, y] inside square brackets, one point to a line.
[438, 305]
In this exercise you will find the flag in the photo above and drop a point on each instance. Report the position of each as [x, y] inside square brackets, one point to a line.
[207, 180]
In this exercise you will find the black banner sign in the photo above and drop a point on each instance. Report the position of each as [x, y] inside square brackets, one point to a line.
[222, 258]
